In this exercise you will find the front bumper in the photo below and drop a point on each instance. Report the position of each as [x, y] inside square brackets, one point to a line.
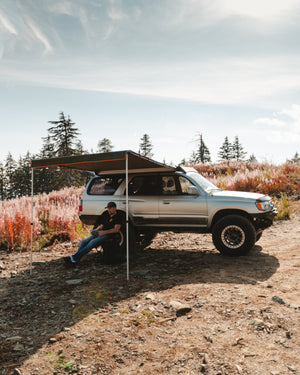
[264, 220]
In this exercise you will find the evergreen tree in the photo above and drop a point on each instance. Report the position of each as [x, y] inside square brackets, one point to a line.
[46, 179]
[295, 159]
[79, 150]
[22, 176]
[238, 152]
[48, 148]
[202, 155]
[183, 162]
[193, 158]
[104, 145]
[226, 152]
[63, 135]
[10, 168]
[146, 146]
[3, 182]
[252, 159]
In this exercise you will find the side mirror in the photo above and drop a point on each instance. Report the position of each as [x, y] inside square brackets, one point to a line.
[192, 190]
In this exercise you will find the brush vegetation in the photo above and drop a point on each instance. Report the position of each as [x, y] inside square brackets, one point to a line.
[55, 215]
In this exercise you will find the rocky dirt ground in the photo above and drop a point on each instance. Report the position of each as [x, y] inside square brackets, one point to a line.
[185, 310]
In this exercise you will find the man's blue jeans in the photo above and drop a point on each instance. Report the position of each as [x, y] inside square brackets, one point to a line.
[87, 245]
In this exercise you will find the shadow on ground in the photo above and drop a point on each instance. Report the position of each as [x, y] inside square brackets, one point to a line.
[36, 308]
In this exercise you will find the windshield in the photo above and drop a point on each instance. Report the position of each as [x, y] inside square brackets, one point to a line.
[203, 182]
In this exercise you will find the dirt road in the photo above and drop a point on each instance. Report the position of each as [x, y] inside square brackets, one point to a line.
[185, 310]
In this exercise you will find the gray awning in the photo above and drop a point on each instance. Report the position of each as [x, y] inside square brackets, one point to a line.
[109, 161]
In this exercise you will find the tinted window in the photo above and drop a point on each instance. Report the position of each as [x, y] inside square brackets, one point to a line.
[105, 185]
[144, 185]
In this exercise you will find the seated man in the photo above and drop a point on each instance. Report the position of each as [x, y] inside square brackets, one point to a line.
[108, 223]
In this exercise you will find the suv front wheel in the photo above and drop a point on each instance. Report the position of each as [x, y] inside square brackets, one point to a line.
[234, 235]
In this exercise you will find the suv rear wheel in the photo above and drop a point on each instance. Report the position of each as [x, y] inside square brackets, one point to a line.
[234, 235]
[145, 239]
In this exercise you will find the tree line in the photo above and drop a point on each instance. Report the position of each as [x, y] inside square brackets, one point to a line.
[63, 140]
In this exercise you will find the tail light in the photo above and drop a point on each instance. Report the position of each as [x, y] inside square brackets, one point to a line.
[80, 205]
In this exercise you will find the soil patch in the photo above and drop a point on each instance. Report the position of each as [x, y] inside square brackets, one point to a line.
[185, 310]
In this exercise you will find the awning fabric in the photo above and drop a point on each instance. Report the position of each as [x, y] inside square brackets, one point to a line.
[109, 161]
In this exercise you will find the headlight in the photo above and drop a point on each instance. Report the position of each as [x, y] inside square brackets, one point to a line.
[264, 205]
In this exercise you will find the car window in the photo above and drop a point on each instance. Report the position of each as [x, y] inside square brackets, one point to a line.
[184, 184]
[169, 186]
[144, 185]
[105, 185]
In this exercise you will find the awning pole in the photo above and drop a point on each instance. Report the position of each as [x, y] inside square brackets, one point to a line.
[31, 222]
[127, 224]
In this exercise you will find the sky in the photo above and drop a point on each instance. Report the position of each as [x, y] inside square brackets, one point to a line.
[172, 69]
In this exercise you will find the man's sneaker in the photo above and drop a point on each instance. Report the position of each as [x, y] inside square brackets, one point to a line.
[69, 263]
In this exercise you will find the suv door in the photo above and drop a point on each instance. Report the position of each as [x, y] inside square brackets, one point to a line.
[177, 207]
[143, 193]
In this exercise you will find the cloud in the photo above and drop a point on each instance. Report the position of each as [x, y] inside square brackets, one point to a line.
[7, 25]
[272, 122]
[39, 35]
[263, 10]
[283, 127]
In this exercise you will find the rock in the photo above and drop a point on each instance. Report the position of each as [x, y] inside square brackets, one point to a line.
[180, 308]
[18, 348]
[150, 296]
[205, 359]
[52, 340]
[278, 300]
[14, 338]
[74, 282]
[258, 324]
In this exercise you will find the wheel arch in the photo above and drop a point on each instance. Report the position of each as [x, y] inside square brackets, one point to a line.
[222, 213]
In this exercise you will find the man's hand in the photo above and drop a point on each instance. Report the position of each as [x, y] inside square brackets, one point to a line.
[116, 229]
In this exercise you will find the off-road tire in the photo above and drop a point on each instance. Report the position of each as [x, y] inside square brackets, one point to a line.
[145, 239]
[234, 235]
[258, 235]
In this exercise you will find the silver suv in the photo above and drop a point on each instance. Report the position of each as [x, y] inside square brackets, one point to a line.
[181, 201]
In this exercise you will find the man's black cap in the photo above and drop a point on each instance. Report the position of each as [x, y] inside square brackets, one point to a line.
[111, 204]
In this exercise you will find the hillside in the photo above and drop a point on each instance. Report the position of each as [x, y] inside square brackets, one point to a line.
[185, 310]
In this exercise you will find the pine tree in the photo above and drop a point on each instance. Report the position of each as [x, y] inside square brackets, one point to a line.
[10, 168]
[238, 150]
[79, 150]
[48, 148]
[225, 152]
[64, 142]
[146, 146]
[3, 182]
[295, 159]
[23, 176]
[202, 155]
[252, 159]
[63, 135]
[104, 145]
[193, 158]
